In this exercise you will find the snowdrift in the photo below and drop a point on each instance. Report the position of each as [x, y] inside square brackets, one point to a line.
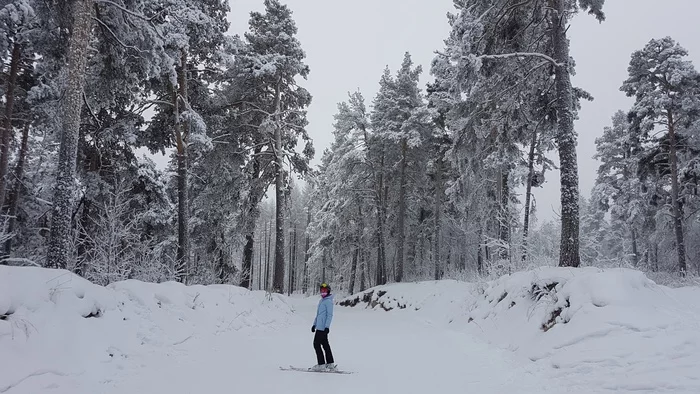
[56, 325]
[610, 330]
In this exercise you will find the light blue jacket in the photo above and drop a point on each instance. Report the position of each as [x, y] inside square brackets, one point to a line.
[324, 313]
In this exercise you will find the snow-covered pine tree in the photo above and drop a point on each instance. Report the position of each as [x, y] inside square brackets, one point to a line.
[193, 35]
[497, 48]
[666, 88]
[270, 63]
[618, 188]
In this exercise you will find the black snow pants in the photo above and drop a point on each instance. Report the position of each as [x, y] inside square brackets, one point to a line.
[321, 341]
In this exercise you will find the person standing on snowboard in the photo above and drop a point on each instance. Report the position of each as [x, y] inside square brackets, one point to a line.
[321, 326]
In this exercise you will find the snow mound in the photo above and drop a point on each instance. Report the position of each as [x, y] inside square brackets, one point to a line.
[610, 329]
[431, 295]
[56, 325]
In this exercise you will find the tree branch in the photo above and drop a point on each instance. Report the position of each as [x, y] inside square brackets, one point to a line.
[115, 36]
[521, 54]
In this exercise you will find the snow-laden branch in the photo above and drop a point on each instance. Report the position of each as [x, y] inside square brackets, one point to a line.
[522, 54]
[115, 36]
[124, 9]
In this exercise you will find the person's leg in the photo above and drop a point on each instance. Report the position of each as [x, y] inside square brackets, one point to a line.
[317, 347]
[327, 349]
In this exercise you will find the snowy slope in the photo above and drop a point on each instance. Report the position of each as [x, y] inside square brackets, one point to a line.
[64, 335]
[59, 330]
[589, 329]
[613, 331]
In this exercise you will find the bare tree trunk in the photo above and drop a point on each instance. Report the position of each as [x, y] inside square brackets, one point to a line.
[71, 105]
[566, 139]
[18, 186]
[278, 280]
[528, 193]
[675, 201]
[7, 124]
[183, 247]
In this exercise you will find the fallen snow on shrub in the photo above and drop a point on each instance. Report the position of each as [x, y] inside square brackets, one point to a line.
[56, 325]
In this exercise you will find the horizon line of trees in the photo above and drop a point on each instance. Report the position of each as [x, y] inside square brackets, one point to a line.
[417, 184]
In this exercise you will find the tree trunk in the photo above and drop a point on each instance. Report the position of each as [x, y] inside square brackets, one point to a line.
[363, 270]
[71, 105]
[528, 193]
[267, 255]
[278, 281]
[323, 266]
[247, 269]
[566, 141]
[260, 263]
[293, 273]
[7, 124]
[504, 222]
[635, 252]
[402, 215]
[289, 275]
[307, 254]
[480, 253]
[438, 209]
[675, 201]
[183, 248]
[381, 247]
[18, 186]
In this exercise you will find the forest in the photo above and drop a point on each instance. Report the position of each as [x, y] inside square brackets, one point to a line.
[419, 183]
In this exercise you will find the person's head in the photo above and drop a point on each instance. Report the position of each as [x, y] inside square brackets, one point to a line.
[325, 290]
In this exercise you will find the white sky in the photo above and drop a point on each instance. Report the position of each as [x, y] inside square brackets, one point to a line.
[348, 44]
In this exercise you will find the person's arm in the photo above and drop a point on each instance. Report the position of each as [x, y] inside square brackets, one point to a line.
[329, 315]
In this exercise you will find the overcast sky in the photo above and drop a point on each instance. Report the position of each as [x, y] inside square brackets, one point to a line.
[348, 44]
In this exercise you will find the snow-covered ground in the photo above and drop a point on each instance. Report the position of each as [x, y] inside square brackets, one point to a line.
[617, 333]
[587, 330]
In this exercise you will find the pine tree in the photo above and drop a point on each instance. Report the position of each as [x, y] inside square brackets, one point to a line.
[666, 88]
[268, 65]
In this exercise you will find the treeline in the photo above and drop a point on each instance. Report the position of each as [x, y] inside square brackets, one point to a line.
[91, 84]
[424, 184]
[419, 183]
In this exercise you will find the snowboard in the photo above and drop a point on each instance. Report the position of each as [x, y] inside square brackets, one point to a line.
[293, 368]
